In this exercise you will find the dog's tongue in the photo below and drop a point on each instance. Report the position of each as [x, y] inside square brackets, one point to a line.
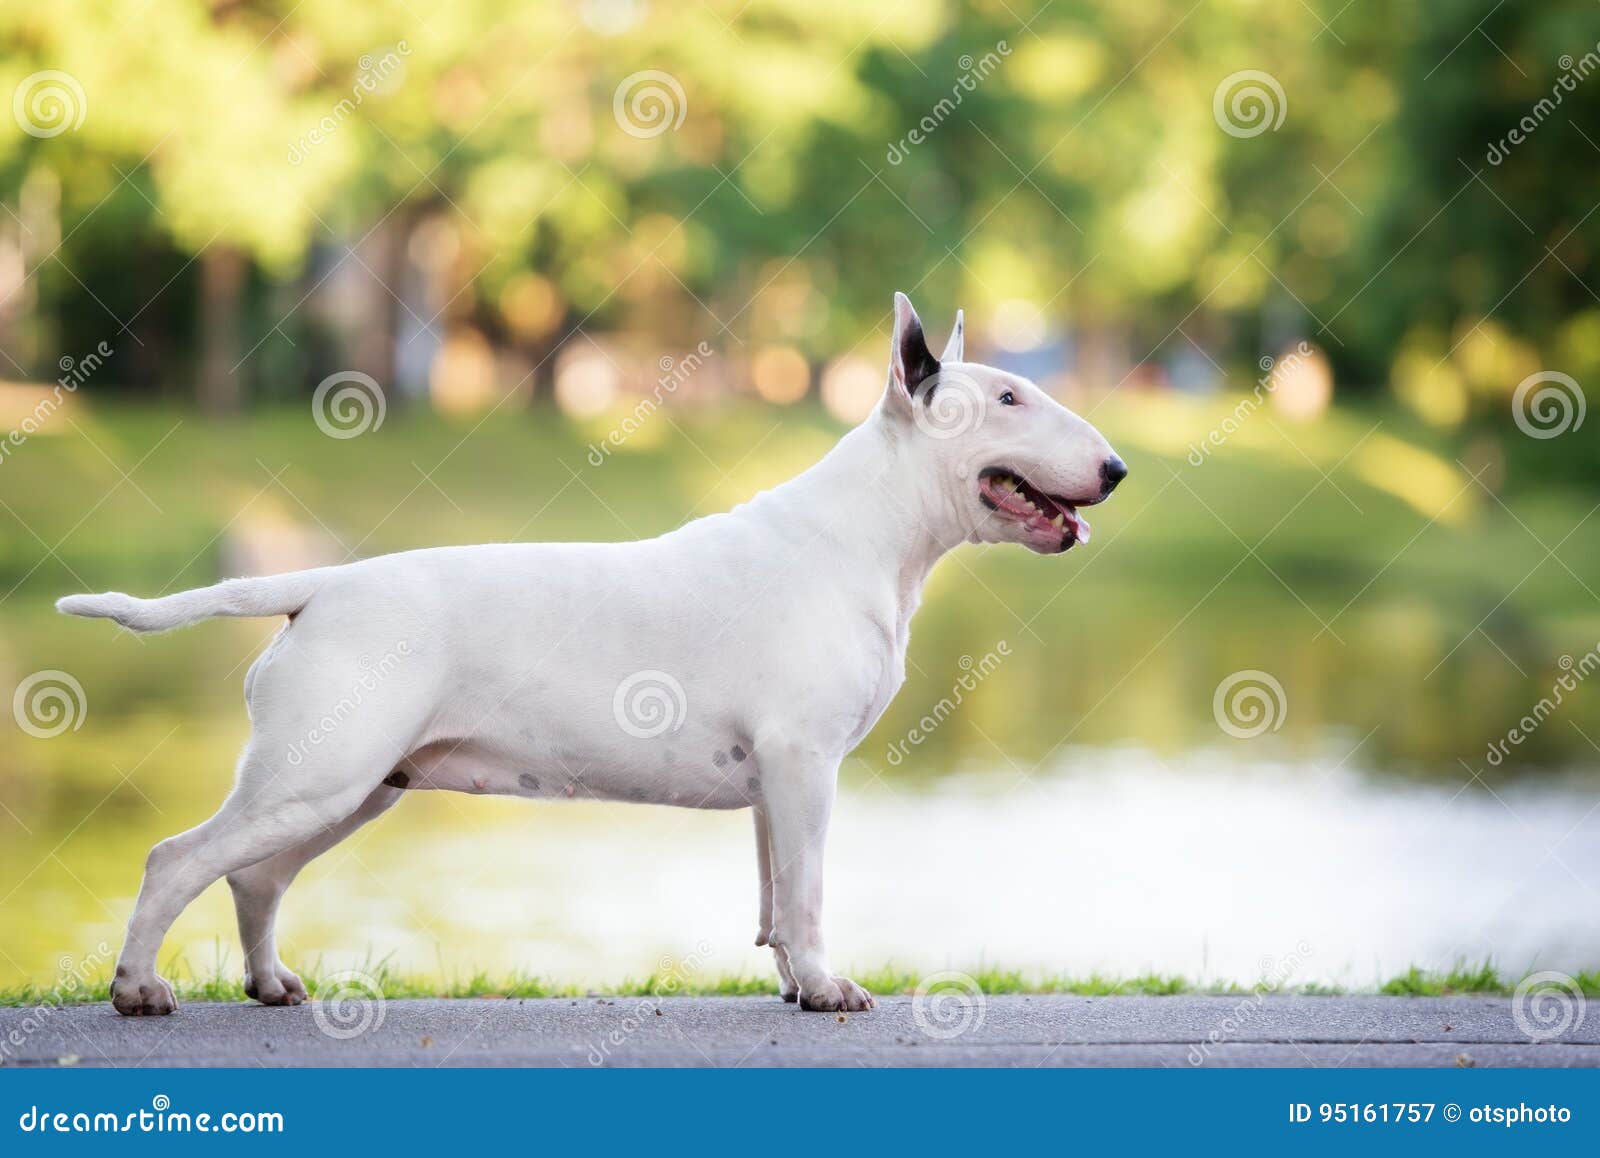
[1082, 525]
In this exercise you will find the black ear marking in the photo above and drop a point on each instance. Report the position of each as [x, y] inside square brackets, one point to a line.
[917, 360]
[913, 363]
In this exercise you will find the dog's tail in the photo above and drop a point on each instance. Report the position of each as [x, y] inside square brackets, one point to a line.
[271, 595]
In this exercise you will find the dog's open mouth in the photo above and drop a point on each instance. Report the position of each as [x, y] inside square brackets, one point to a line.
[1043, 517]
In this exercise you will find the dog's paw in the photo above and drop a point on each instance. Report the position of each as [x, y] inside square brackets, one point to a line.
[838, 995]
[283, 988]
[149, 998]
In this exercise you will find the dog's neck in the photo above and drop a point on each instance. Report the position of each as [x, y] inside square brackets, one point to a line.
[872, 496]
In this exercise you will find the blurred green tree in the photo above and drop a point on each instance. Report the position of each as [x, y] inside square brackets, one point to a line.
[1149, 177]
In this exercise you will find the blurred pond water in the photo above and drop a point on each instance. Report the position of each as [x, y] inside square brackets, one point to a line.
[1113, 861]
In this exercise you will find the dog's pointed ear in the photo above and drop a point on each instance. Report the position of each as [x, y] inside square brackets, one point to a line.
[956, 347]
[911, 363]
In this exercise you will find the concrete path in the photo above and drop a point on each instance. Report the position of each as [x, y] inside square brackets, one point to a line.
[763, 1031]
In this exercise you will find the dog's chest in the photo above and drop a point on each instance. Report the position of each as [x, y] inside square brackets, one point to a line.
[892, 638]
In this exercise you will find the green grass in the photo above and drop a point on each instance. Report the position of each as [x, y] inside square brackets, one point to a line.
[1463, 979]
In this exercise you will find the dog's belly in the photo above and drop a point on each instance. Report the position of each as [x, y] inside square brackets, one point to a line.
[634, 672]
[666, 773]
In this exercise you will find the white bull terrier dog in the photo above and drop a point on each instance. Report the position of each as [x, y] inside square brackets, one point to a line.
[731, 663]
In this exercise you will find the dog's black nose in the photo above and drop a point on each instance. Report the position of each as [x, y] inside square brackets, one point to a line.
[1112, 471]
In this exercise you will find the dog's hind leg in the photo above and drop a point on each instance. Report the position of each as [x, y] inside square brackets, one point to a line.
[787, 989]
[275, 806]
[258, 890]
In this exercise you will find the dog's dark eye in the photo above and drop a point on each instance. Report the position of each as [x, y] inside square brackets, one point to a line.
[1008, 399]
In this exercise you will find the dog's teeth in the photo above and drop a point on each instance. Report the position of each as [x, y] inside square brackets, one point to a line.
[1008, 484]
[1059, 521]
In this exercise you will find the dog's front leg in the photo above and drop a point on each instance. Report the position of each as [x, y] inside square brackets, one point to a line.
[787, 989]
[798, 787]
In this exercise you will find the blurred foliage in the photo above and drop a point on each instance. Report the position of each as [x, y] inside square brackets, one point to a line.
[1085, 173]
